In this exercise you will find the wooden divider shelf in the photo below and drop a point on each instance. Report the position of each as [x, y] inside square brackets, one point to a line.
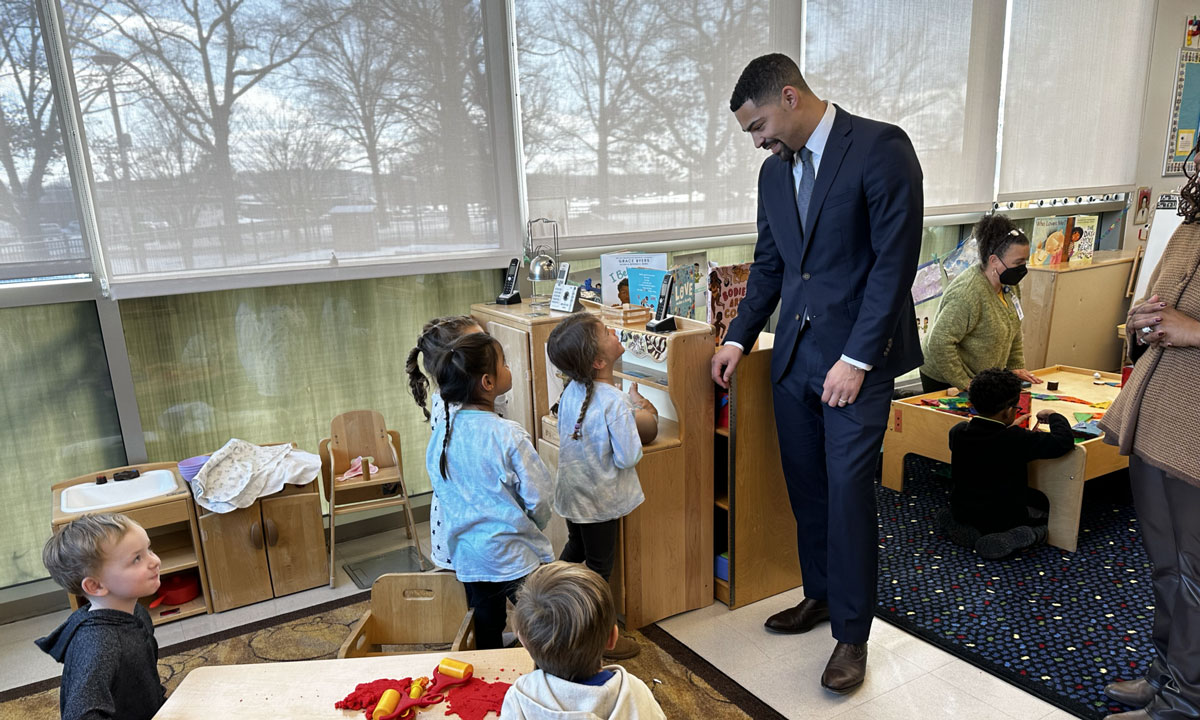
[750, 490]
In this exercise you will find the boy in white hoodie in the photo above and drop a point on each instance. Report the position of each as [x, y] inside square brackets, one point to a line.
[565, 618]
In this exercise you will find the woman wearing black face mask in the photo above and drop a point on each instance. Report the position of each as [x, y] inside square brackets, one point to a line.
[978, 323]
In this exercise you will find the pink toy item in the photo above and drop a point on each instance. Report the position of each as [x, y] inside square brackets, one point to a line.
[356, 469]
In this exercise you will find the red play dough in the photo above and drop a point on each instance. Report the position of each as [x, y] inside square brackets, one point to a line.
[366, 695]
[476, 699]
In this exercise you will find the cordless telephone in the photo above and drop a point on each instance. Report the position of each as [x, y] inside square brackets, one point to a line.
[663, 322]
[508, 292]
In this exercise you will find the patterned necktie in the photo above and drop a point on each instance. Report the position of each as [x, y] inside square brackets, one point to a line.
[807, 177]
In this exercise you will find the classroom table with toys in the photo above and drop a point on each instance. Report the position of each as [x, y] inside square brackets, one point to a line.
[313, 688]
[921, 425]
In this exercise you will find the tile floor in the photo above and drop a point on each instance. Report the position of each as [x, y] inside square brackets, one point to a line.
[907, 678]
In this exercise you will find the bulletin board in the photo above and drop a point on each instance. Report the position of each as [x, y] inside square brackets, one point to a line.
[1185, 113]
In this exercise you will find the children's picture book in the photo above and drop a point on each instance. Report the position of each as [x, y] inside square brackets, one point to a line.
[1048, 241]
[644, 286]
[614, 267]
[687, 285]
[1081, 237]
[726, 288]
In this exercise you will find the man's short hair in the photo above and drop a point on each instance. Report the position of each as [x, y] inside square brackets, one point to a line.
[564, 617]
[764, 79]
[76, 550]
[993, 390]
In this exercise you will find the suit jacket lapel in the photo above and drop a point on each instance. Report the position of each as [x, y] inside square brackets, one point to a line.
[835, 151]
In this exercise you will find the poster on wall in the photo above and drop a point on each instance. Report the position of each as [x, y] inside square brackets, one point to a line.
[1185, 112]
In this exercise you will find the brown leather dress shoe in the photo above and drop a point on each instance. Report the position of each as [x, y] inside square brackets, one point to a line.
[1135, 715]
[625, 648]
[846, 669]
[799, 619]
[1134, 693]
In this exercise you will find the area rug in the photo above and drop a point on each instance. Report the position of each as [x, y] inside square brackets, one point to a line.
[1060, 625]
[317, 633]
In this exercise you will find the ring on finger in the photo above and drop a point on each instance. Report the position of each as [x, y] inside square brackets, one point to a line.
[842, 401]
[1147, 330]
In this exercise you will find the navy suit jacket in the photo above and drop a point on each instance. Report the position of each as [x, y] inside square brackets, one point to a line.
[852, 267]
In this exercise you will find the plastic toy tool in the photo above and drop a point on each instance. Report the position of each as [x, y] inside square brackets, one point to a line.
[449, 673]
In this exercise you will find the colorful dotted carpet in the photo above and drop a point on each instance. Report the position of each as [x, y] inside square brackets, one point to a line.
[1060, 625]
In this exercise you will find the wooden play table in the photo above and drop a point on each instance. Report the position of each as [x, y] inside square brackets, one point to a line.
[924, 430]
[307, 690]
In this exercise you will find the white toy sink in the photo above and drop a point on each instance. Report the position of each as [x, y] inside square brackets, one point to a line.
[90, 496]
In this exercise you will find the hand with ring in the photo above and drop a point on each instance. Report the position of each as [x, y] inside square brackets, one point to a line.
[842, 383]
[1143, 319]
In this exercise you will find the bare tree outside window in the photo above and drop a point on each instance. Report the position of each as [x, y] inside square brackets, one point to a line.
[355, 72]
[292, 163]
[246, 133]
[37, 213]
[626, 122]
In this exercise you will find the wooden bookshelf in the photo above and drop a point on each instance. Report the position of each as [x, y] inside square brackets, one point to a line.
[749, 489]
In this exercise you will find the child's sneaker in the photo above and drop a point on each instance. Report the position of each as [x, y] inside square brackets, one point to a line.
[1002, 544]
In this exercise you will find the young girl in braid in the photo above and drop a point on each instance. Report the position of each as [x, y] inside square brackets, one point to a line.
[492, 487]
[599, 446]
[435, 337]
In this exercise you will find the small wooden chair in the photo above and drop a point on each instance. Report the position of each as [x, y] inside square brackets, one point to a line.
[414, 609]
[1062, 479]
[354, 434]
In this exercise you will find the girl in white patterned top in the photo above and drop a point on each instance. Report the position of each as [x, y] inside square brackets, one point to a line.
[599, 446]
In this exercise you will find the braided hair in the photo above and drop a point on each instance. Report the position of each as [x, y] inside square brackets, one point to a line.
[462, 366]
[995, 234]
[573, 347]
[435, 338]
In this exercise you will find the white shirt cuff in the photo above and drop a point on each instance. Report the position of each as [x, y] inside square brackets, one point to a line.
[739, 346]
[857, 364]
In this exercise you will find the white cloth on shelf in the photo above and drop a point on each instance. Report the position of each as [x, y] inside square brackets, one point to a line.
[241, 472]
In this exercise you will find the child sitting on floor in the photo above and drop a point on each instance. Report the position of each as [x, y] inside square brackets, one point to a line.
[492, 487]
[989, 457]
[107, 647]
[565, 618]
[601, 431]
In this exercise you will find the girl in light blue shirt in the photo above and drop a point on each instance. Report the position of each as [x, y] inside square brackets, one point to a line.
[492, 488]
[599, 446]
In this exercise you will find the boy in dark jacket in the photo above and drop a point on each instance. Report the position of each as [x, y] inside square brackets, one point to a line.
[989, 458]
[107, 648]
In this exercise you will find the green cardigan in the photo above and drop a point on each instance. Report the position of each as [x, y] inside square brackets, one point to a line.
[973, 330]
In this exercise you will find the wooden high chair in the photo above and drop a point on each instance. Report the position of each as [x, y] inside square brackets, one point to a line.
[354, 434]
[413, 609]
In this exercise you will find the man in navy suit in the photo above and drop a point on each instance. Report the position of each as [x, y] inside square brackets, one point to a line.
[839, 235]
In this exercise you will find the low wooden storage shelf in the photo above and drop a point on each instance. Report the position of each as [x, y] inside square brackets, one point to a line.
[272, 548]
